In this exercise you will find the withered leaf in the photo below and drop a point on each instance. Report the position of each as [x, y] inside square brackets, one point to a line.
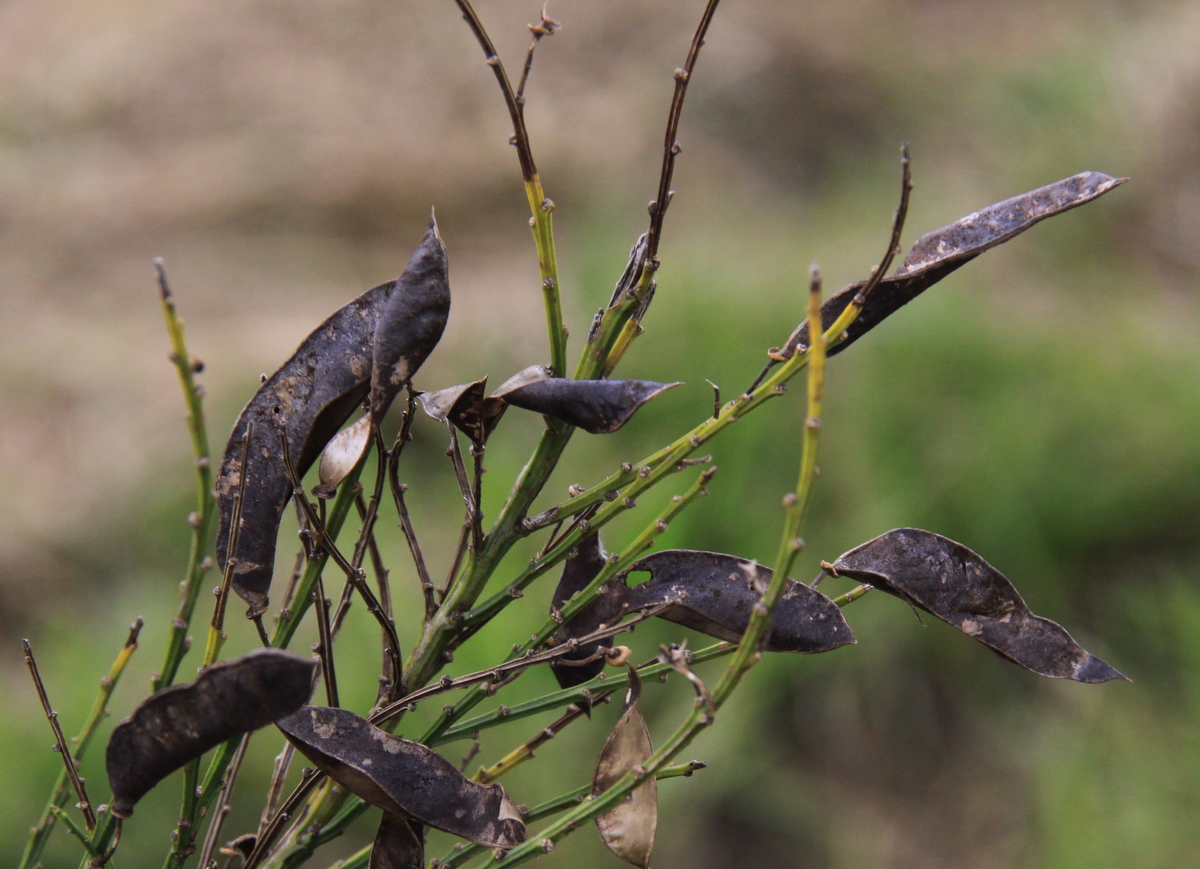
[410, 323]
[953, 583]
[399, 844]
[308, 399]
[596, 406]
[716, 594]
[628, 828]
[242, 846]
[341, 455]
[524, 377]
[936, 254]
[581, 568]
[466, 407]
[402, 777]
[180, 723]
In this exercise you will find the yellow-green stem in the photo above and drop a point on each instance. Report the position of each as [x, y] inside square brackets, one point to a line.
[542, 224]
[202, 520]
[796, 506]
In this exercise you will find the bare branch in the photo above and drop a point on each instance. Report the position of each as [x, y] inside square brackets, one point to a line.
[520, 135]
[60, 741]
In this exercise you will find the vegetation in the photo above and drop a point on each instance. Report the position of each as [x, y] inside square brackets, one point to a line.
[455, 612]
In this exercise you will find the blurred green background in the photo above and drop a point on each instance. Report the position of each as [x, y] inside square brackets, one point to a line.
[1041, 406]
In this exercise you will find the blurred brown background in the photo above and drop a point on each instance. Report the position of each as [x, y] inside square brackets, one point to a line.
[1042, 406]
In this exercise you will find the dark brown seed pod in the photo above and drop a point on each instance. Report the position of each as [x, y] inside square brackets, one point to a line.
[180, 723]
[402, 777]
[578, 572]
[953, 583]
[596, 406]
[466, 407]
[936, 254]
[628, 828]
[308, 399]
[410, 323]
[399, 844]
[716, 594]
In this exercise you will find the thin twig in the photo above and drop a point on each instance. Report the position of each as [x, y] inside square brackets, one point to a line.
[679, 659]
[546, 27]
[354, 574]
[343, 503]
[878, 273]
[102, 861]
[460, 550]
[60, 741]
[454, 453]
[487, 610]
[41, 833]
[671, 147]
[584, 693]
[470, 756]
[325, 640]
[520, 134]
[267, 837]
[410, 537]
[582, 521]
[366, 543]
[283, 763]
[222, 809]
[216, 629]
[527, 660]
[525, 751]
[477, 451]
[860, 298]
[297, 571]
[391, 673]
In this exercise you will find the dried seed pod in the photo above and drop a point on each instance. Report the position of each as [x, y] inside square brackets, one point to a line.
[628, 828]
[953, 583]
[341, 455]
[402, 777]
[936, 254]
[596, 406]
[524, 377]
[242, 846]
[716, 594]
[466, 407]
[180, 723]
[308, 399]
[399, 844]
[578, 572]
[410, 323]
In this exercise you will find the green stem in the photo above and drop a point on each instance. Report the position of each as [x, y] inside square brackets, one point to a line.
[852, 595]
[542, 225]
[202, 520]
[101, 839]
[796, 504]
[73, 828]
